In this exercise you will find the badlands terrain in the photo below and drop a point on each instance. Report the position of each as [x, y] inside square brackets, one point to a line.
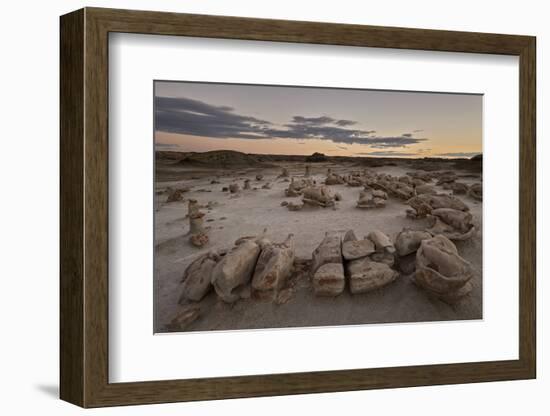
[265, 241]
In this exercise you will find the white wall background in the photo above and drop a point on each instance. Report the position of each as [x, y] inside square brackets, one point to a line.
[29, 211]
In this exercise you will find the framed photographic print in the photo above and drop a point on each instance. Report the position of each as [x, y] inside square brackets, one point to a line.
[256, 207]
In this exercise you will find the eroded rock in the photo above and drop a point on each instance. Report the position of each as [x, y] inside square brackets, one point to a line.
[356, 249]
[197, 277]
[453, 224]
[274, 266]
[476, 192]
[441, 271]
[366, 275]
[408, 241]
[381, 241]
[175, 195]
[199, 239]
[291, 206]
[371, 200]
[329, 280]
[235, 270]
[318, 195]
[329, 251]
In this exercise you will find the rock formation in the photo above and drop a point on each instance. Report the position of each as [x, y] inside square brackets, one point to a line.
[373, 199]
[452, 223]
[476, 192]
[284, 173]
[334, 179]
[423, 205]
[318, 196]
[197, 276]
[274, 266]
[441, 271]
[192, 207]
[408, 241]
[235, 270]
[366, 275]
[446, 177]
[295, 187]
[327, 270]
[175, 195]
[291, 206]
[329, 280]
[406, 244]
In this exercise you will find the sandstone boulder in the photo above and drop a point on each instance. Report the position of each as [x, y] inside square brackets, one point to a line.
[329, 280]
[453, 224]
[357, 249]
[318, 195]
[274, 266]
[329, 251]
[408, 241]
[235, 270]
[366, 275]
[381, 241]
[197, 277]
[441, 271]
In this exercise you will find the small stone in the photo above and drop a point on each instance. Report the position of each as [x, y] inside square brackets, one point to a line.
[199, 239]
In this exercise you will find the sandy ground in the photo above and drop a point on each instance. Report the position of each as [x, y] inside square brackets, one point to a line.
[231, 217]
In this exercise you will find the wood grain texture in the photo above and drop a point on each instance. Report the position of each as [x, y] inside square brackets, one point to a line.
[71, 208]
[84, 203]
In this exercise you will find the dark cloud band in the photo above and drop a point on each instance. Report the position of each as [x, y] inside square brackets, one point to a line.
[197, 118]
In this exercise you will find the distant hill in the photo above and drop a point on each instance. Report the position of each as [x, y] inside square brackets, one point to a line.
[215, 158]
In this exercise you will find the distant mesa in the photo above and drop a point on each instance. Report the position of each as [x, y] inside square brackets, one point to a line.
[214, 158]
[477, 157]
[316, 157]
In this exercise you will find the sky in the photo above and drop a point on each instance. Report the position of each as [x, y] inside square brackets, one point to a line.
[262, 119]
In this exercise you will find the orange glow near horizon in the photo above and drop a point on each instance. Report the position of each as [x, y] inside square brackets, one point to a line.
[185, 143]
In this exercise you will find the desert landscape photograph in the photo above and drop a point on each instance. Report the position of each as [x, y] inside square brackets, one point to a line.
[294, 206]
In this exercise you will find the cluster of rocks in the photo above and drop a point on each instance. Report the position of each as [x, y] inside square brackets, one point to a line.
[423, 205]
[366, 263]
[313, 195]
[333, 178]
[434, 263]
[257, 265]
[295, 187]
[401, 187]
[449, 216]
[372, 199]
[254, 263]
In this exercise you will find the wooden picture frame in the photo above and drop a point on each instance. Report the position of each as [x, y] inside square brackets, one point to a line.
[84, 207]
